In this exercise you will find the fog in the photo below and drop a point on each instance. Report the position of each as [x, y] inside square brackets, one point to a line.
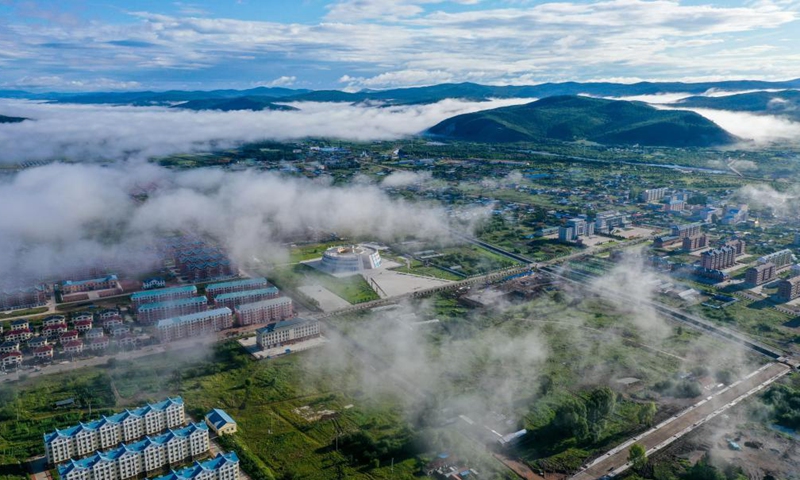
[101, 132]
[63, 216]
[762, 129]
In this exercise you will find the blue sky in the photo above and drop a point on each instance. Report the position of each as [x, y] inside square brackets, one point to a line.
[87, 45]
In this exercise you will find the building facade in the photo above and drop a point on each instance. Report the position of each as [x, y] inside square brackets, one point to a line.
[106, 432]
[15, 298]
[691, 244]
[718, 258]
[265, 311]
[780, 258]
[108, 282]
[653, 194]
[789, 289]
[225, 466]
[150, 454]
[287, 333]
[150, 313]
[606, 222]
[687, 230]
[234, 299]
[761, 273]
[194, 324]
[236, 286]
[163, 295]
[574, 229]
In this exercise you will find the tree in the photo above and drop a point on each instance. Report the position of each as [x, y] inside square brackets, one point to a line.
[637, 455]
[646, 413]
[571, 419]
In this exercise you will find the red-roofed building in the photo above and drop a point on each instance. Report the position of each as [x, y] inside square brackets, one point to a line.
[69, 336]
[83, 325]
[99, 343]
[54, 331]
[45, 352]
[125, 340]
[111, 322]
[74, 347]
[20, 335]
[11, 359]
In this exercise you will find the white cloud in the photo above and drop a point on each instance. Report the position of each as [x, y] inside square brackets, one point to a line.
[86, 132]
[284, 81]
[763, 129]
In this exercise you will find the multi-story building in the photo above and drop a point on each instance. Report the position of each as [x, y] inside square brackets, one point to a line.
[80, 316]
[738, 245]
[653, 194]
[127, 426]
[265, 311]
[236, 286]
[37, 342]
[68, 336]
[761, 273]
[718, 258]
[9, 346]
[287, 333]
[194, 324]
[111, 323]
[83, 325]
[108, 282]
[234, 299]
[687, 230]
[225, 466]
[52, 332]
[73, 347]
[150, 454]
[108, 313]
[690, 244]
[98, 343]
[152, 283]
[789, 289]
[780, 258]
[674, 205]
[163, 295]
[95, 333]
[606, 222]
[54, 320]
[10, 359]
[574, 229]
[15, 298]
[20, 335]
[150, 313]
[45, 352]
[734, 215]
[20, 324]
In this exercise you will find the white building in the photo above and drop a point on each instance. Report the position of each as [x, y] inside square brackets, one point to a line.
[286, 333]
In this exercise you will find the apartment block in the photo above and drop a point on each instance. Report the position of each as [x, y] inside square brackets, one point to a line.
[163, 295]
[287, 333]
[265, 311]
[234, 299]
[150, 313]
[691, 244]
[236, 286]
[789, 289]
[194, 324]
[687, 230]
[225, 466]
[760, 274]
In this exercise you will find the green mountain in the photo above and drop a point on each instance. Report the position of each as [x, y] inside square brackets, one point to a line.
[148, 98]
[232, 104]
[4, 119]
[570, 118]
[785, 103]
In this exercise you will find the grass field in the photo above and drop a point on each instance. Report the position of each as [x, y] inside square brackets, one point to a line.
[354, 288]
[19, 313]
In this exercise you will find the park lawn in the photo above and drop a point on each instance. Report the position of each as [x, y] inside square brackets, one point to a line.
[353, 289]
[300, 253]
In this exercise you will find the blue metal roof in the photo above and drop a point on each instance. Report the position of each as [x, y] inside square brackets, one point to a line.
[91, 280]
[164, 291]
[264, 303]
[246, 293]
[116, 418]
[219, 418]
[192, 472]
[193, 317]
[237, 283]
[173, 303]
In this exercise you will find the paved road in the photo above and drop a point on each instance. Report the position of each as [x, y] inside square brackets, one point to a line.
[616, 460]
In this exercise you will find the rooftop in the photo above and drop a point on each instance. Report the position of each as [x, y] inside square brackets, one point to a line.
[237, 283]
[219, 418]
[173, 303]
[263, 303]
[287, 324]
[108, 278]
[246, 293]
[193, 317]
[164, 291]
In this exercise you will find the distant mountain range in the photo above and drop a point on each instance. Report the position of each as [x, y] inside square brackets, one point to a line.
[4, 119]
[404, 96]
[571, 118]
[233, 104]
[785, 103]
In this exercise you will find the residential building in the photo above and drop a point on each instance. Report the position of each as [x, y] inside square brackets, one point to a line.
[80, 316]
[194, 324]
[225, 466]
[666, 241]
[738, 245]
[152, 283]
[150, 313]
[94, 333]
[45, 352]
[718, 258]
[234, 299]
[20, 335]
[163, 295]
[20, 324]
[151, 454]
[54, 320]
[129, 425]
[687, 230]
[606, 222]
[68, 336]
[98, 343]
[653, 194]
[108, 313]
[83, 325]
[15, 298]
[73, 347]
[37, 342]
[53, 332]
[111, 323]
[691, 244]
[10, 359]
[265, 311]
[761, 273]
[674, 205]
[574, 229]
[236, 286]
[789, 289]
[119, 330]
[108, 282]
[287, 333]
[9, 346]
[780, 258]
[220, 422]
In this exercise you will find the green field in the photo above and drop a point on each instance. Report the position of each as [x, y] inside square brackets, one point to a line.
[354, 288]
[19, 313]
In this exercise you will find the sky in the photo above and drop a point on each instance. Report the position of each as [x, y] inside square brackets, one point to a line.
[103, 45]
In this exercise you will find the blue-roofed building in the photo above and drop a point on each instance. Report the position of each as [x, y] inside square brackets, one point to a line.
[126, 426]
[163, 294]
[287, 332]
[154, 282]
[76, 286]
[234, 299]
[236, 286]
[194, 324]
[150, 313]
[225, 466]
[220, 422]
[150, 454]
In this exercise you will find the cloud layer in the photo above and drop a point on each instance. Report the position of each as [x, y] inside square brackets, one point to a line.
[81, 132]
